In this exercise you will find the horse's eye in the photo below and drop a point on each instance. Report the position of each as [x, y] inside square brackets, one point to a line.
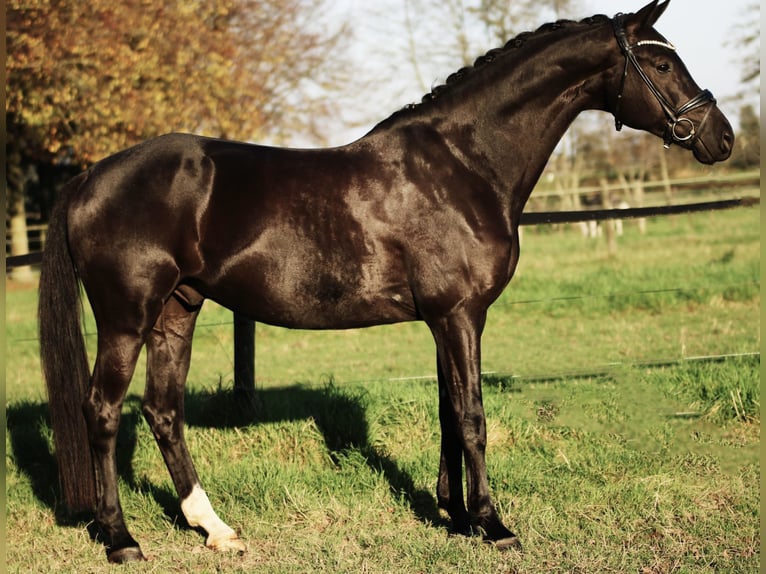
[663, 68]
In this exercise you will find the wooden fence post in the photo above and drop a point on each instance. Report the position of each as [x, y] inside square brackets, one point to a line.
[244, 356]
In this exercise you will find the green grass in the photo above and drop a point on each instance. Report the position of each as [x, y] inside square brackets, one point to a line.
[599, 462]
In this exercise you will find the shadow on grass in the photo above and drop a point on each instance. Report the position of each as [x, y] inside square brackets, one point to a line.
[340, 416]
[28, 429]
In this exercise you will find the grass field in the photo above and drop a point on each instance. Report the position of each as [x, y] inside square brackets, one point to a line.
[606, 453]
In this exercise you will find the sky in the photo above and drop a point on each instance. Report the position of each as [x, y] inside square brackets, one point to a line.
[701, 30]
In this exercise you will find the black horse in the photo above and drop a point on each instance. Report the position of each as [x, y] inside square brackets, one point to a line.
[417, 220]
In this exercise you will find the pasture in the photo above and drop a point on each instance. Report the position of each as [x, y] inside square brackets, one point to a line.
[606, 453]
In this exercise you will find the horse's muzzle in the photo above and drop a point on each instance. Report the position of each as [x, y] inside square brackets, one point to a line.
[715, 140]
[710, 150]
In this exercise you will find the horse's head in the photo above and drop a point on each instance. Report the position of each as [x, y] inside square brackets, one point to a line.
[656, 93]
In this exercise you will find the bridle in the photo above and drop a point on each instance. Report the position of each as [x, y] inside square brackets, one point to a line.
[675, 116]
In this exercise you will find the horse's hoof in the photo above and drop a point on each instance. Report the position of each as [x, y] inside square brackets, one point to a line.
[227, 544]
[462, 529]
[127, 554]
[510, 543]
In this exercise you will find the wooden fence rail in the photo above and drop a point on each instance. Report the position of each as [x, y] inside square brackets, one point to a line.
[740, 179]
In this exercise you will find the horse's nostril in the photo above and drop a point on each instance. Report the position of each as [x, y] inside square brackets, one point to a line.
[727, 142]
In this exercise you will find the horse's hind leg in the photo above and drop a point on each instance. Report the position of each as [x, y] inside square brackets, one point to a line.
[168, 357]
[113, 370]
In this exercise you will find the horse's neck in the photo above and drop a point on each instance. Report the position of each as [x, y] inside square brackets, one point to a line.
[507, 118]
[534, 103]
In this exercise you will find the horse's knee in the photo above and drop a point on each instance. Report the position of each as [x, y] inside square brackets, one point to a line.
[102, 419]
[473, 429]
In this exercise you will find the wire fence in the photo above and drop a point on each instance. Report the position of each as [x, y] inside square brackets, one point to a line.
[596, 370]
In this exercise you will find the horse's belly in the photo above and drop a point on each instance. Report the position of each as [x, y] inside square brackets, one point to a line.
[313, 297]
[304, 312]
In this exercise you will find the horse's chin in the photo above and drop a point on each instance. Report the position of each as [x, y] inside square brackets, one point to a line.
[703, 154]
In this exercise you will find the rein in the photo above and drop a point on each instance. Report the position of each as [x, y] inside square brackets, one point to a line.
[675, 116]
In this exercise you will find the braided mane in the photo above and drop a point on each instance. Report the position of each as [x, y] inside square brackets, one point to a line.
[491, 56]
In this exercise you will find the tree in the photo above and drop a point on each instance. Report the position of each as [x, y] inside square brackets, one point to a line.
[456, 32]
[747, 36]
[86, 79]
[747, 146]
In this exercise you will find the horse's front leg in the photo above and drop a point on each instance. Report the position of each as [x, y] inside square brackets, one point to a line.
[458, 342]
[168, 357]
[449, 488]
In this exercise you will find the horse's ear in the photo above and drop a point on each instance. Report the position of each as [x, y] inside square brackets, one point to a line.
[649, 14]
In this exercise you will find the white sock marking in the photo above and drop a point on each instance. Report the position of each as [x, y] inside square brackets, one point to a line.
[199, 512]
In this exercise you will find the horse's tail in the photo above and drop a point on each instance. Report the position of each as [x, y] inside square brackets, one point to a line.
[64, 358]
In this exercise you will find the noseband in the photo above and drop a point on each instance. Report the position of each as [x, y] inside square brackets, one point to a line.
[675, 116]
